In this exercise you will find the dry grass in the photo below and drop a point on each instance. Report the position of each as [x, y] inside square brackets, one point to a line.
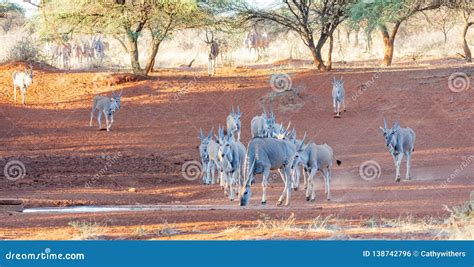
[85, 230]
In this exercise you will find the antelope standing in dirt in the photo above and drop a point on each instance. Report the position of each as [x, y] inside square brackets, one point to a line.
[399, 141]
[213, 53]
[233, 123]
[338, 95]
[22, 80]
[232, 158]
[314, 158]
[107, 106]
[204, 154]
[263, 155]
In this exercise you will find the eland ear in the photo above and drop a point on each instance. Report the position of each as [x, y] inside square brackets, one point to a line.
[201, 134]
[396, 126]
[232, 110]
[209, 136]
[382, 129]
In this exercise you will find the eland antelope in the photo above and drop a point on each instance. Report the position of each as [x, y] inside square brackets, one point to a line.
[263, 155]
[22, 80]
[399, 141]
[233, 123]
[232, 158]
[314, 158]
[105, 105]
[338, 95]
[204, 154]
[213, 53]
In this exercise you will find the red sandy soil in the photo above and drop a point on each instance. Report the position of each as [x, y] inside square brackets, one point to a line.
[156, 132]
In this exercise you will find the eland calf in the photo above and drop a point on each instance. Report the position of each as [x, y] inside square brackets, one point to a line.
[106, 105]
[399, 141]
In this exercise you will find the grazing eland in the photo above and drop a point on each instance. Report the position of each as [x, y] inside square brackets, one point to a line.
[105, 105]
[232, 156]
[22, 80]
[233, 123]
[263, 155]
[338, 95]
[314, 158]
[213, 53]
[400, 141]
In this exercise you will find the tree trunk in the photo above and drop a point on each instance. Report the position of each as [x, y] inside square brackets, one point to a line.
[389, 43]
[465, 45]
[316, 52]
[134, 59]
[152, 55]
[331, 43]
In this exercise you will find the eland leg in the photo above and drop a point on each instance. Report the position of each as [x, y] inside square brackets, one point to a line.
[310, 191]
[398, 161]
[408, 166]
[99, 116]
[106, 121]
[327, 181]
[266, 173]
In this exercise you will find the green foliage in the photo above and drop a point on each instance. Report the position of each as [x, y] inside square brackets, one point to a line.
[7, 6]
[376, 13]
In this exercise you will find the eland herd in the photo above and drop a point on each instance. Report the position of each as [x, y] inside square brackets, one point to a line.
[227, 162]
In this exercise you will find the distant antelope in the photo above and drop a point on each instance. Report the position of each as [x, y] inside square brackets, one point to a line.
[107, 106]
[338, 95]
[22, 79]
[213, 47]
[257, 42]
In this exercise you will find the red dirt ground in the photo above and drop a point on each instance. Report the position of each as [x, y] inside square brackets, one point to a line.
[155, 133]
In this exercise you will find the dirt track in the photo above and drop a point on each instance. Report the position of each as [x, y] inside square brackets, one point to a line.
[155, 133]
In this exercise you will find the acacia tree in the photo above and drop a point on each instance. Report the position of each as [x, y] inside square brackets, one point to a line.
[127, 21]
[313, 20]
[466, 9]
[386, 14]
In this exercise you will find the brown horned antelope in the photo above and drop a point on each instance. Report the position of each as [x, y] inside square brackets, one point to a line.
[213, 48]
